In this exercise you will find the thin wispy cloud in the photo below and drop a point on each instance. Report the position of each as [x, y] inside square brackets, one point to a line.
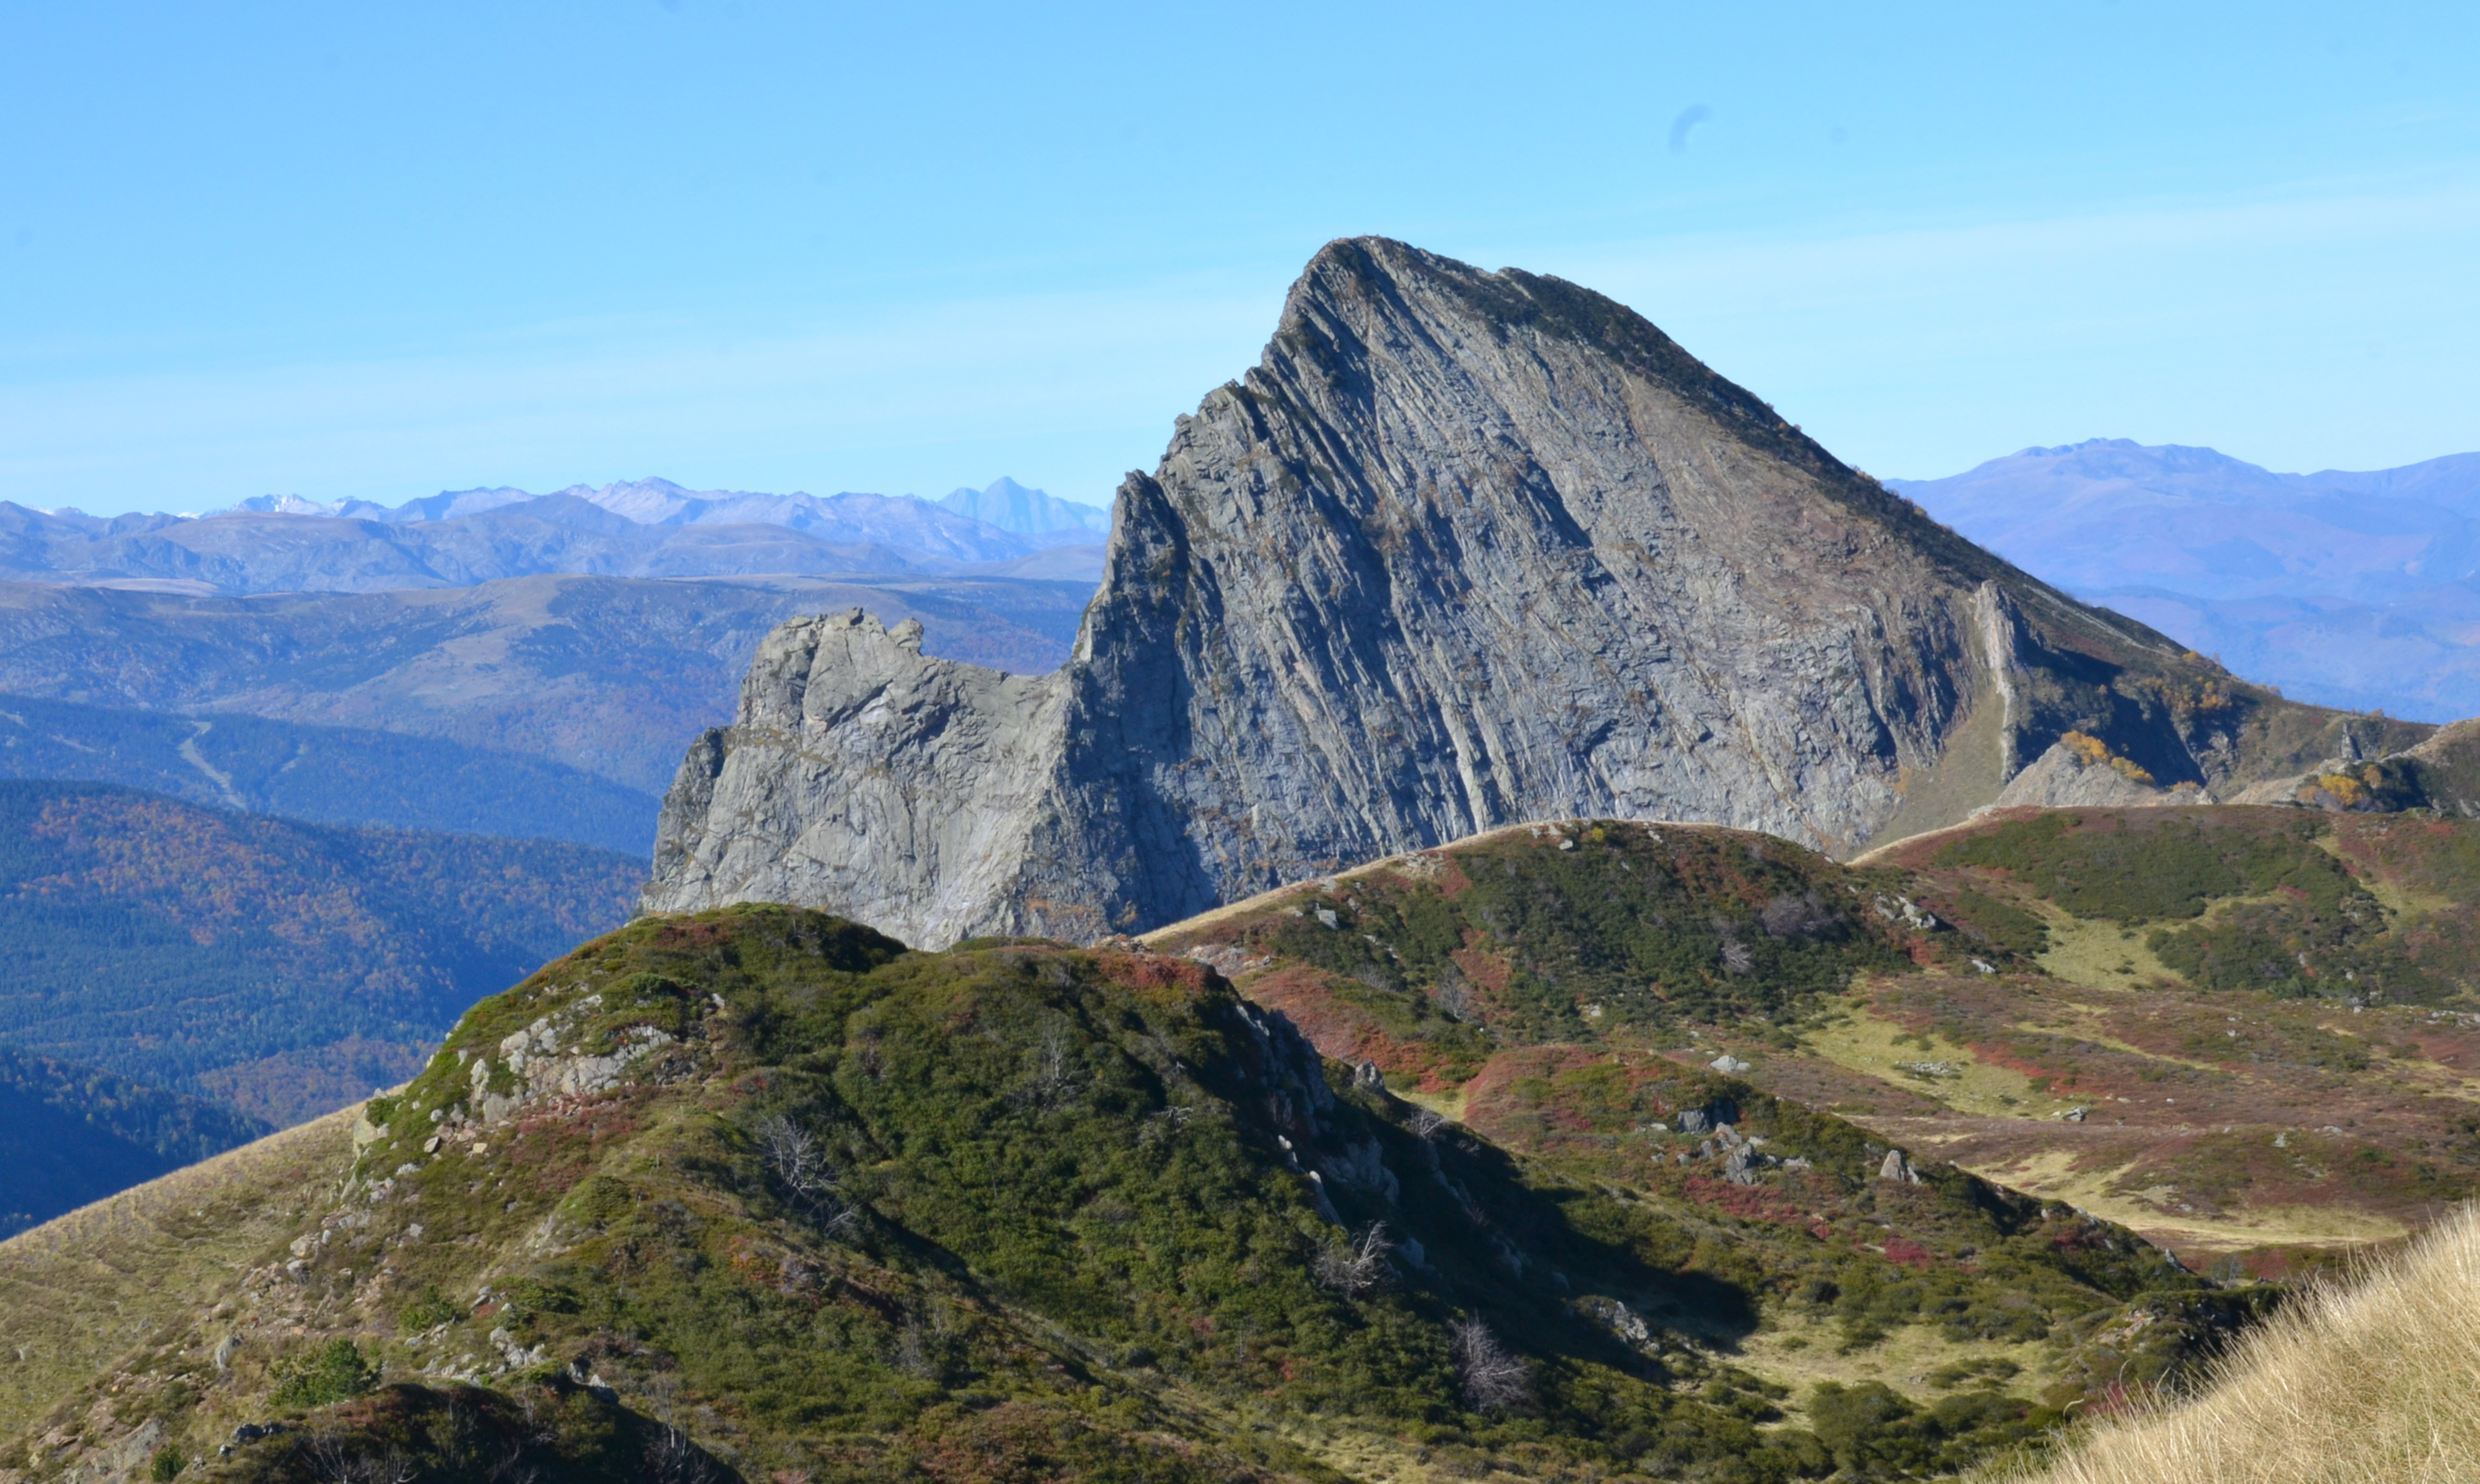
[1686, 124]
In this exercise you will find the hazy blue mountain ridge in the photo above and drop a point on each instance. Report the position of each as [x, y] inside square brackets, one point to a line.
[1012, 507]
[643, 528]
[2109, 513]
[2358, 589]
[281, 968]
[177, 974]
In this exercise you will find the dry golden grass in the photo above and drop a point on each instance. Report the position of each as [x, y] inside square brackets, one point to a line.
[2372, 1382]
[78, 1291]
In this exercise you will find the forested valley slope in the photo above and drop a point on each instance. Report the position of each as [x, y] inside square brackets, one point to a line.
[176, 978]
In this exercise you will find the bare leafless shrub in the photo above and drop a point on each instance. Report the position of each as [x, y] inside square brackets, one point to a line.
[337, 1459]
[1357, 1266]
[800, 1163]
[1492, 1376]
[509, 1467]
[1794, 914]
[1428, 1123]
[913, 1348]
[672, 1457]
[1055, 1079]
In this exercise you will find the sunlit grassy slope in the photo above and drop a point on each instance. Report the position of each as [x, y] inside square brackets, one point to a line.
[79, 1291]
[2373, 1382]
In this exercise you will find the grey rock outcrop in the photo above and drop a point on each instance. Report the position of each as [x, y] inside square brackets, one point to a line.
[904, 789]
[2061, 778]
[1464, 549]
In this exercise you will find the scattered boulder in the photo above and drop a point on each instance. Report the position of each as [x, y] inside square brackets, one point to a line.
[1908, 913]
[1715, 1114]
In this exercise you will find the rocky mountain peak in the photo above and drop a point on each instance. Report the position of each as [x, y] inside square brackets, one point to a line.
[1027, 512]
[1464, 548]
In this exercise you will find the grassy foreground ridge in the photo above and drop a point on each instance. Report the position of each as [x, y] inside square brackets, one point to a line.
[759, 1194]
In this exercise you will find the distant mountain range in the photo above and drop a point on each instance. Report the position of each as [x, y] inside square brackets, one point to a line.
[2350, 589]
[645, 529]
[1012, 507]
[179, 973]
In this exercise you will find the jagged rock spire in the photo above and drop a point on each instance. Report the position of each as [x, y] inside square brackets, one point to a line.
[1463, 549]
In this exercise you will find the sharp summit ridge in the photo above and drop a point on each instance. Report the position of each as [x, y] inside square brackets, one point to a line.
[1463, 549]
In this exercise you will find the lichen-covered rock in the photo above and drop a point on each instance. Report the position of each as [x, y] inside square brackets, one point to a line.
[1464, 549]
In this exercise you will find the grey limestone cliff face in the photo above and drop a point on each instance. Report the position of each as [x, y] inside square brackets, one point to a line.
[1465, 548]
[862, 773]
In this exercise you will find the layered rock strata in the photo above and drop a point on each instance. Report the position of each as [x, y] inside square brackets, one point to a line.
[1464, 548]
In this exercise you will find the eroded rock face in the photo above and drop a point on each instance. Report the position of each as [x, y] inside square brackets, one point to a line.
[859, 772]
[1464, 549]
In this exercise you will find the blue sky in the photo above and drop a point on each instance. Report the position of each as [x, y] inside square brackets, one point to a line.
[380, 249]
